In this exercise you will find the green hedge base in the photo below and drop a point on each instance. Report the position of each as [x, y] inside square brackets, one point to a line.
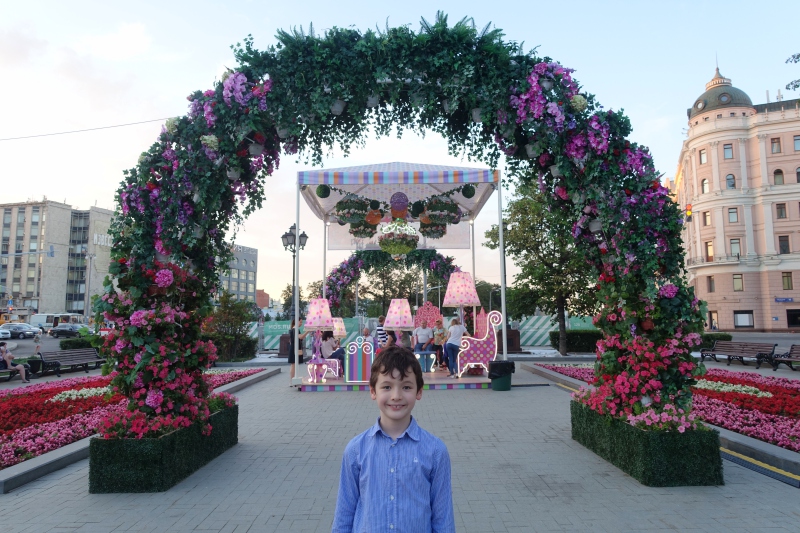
[654, 458]
[155, 465]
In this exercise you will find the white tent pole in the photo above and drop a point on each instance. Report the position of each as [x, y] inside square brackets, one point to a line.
[472, 246]
[424, 286]
[324, 253]
[502, 268]
[296, 266]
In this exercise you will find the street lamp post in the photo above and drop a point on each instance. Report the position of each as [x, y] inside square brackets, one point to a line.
[490, 296]
[293, 243]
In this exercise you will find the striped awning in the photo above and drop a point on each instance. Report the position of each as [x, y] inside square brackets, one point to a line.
[381, 181]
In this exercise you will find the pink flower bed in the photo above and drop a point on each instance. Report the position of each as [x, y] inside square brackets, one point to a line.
[36, 439]
[783, 431]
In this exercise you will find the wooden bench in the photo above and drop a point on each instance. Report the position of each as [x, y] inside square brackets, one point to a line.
[13, 372]
[792, 356]
[760, 351]
[70, 358]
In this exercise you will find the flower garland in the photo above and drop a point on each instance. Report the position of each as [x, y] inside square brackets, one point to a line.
[432, 231]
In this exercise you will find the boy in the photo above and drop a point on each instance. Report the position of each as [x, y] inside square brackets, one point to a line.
[395, 476]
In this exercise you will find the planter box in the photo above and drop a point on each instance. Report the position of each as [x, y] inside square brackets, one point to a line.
[155, 465]
[654, 458]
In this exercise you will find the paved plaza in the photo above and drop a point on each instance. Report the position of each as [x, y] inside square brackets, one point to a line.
[515, 469]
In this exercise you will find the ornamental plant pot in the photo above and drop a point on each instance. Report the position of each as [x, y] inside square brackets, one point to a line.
[155, 465]
[654, 458]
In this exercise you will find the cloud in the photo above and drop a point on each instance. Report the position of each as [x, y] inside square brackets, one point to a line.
[17, 48]
[127, 42]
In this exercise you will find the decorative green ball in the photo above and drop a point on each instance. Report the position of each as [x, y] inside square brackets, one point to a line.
[417, 208]
[374, 204]
[468, 191]
[323, 191]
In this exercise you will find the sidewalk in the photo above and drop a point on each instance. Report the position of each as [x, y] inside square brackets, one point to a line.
[515, 469]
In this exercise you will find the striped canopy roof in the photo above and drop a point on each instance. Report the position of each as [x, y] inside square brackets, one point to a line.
[380, 182]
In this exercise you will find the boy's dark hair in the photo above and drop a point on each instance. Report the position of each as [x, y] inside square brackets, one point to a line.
[395, 358]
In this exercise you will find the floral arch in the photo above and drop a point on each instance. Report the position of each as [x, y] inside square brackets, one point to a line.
[366, 261]
[488, 98]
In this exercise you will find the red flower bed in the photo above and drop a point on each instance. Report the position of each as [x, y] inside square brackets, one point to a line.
[775, 420]
[31, 425]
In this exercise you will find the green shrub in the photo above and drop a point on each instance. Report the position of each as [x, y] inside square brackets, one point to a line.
[233, 347]
[578, 340]
[709, 338]
[654, 458]
[75, 343]
[155, 465]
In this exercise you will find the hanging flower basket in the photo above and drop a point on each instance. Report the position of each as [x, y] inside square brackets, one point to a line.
[362, 230]
[433, 231]
[351, 209]
[441, 210]
[400, 240]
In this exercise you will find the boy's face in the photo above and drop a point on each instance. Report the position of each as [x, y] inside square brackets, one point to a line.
[396, 397]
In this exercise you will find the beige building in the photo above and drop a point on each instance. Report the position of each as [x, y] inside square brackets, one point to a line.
[49, 253]
[739, 170]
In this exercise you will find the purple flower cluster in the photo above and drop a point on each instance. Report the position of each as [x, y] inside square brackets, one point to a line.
[235, 85]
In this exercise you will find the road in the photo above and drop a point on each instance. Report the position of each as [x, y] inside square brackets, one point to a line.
[25, 347]
[784, 340]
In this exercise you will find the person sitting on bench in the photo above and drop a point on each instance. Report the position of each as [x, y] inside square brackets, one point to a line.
[330, 347]
[8, 362]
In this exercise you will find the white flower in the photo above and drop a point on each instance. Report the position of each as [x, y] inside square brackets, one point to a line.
[727, 387]
[82, 393]
[211, 141]
[579, 103]
[171, 125]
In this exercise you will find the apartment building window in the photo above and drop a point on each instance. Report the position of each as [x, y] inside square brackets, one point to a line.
[777, 177]
[234, 286]
[730, 181]
[738, 282]
[780, 210]
[736, 248]
[733, 214]
[797, 143]
[251, 276]
[251, 287]
[709, 251]
[776, 145]
[786, 277]
[21, 216]
[727, 151]
[706, 218]
[743, 319]
[797, 174]
[710, 284]
[783, 244]
[703, 157]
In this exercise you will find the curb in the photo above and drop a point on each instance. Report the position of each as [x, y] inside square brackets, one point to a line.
[770, 455]
[19, 474]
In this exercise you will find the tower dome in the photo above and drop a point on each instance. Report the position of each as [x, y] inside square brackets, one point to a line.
[720, 93]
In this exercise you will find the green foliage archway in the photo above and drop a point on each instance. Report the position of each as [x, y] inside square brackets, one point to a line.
[487, 97]
[366, 261]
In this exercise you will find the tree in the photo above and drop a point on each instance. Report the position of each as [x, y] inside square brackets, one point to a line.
[554, 277]
[229, 326]
[288, 301]
[389, 283]
[793, 85]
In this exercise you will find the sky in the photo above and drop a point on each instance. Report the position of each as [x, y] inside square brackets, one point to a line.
[86, 64]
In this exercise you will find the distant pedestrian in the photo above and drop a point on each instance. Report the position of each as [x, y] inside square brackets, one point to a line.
[395, 476]
[453, 345]
[295, 352]
[380, 333]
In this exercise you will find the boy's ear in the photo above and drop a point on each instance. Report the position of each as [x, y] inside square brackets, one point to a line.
[372, 393]
[419, 394]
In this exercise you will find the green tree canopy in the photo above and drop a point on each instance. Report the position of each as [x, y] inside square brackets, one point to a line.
[554, 276]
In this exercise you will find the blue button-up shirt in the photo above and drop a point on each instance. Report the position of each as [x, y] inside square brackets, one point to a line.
[391, 485]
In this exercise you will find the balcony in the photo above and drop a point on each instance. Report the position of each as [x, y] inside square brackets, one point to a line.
[695, 262]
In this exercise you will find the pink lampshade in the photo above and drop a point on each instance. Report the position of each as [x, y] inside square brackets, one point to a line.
[338, 328]
[319, 316]
[399, 316]
[460, 291]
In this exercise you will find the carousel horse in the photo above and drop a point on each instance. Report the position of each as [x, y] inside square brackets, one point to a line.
[480, 352]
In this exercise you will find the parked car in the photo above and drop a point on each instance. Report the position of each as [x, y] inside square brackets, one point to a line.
[19, 331]
[5, 334]
[65, 330]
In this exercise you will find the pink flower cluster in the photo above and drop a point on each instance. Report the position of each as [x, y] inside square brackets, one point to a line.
[670, 418]
[164, 277]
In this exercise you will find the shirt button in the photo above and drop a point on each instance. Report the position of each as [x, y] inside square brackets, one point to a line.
[391, 470]
[391, 497]
[391, 526]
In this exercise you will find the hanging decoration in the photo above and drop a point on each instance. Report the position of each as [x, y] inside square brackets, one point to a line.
[398, 238]
[352, 209]
[432, 231]
[363, 230]
[442, 210]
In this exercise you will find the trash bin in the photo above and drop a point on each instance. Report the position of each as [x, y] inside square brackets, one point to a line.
[35, 364]
[500, 374]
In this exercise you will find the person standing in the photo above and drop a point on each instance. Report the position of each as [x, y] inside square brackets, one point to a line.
[439, 340]
[453, 345]
[395, 476]
[295, 352]
[380, 333]
[423, 337]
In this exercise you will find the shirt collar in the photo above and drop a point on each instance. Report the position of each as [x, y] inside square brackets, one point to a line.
[413, 430]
